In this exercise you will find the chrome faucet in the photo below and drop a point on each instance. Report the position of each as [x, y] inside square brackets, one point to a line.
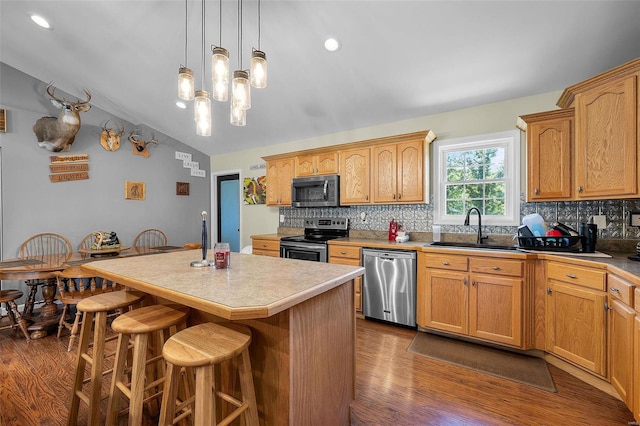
[466, 223]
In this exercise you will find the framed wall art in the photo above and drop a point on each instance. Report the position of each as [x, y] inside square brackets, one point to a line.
[3, 120]
[182, 188]
[134, 190]
[255, 191]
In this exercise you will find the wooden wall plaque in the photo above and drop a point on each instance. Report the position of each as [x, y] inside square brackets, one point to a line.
[65, 177]
[63, 168]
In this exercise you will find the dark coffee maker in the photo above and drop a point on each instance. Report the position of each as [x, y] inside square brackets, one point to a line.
[589, 232]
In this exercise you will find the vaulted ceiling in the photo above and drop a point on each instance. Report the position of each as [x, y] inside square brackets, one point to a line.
[398, 59]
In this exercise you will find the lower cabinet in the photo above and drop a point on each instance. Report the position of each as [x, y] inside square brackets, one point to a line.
[349, 255]
[636, 364]
[266, 246]
[457, 294]
[575, 318]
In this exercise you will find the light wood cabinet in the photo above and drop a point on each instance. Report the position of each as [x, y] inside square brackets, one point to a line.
[480, 297]
[265, 246]
[349, 255]
[317, 164]
[398, 172]
[549, 155]
[636, 362]
[575, 318]
[279, 175]
[606, 140]
[355, 176]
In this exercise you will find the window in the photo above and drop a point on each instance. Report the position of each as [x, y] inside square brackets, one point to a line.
[478, 171]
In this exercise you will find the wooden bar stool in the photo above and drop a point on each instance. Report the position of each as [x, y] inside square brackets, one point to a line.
[159, 321]
[9, 297]
[203, 347]
[94, 320]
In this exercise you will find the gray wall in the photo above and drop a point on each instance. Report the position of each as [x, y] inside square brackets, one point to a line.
[31, 204]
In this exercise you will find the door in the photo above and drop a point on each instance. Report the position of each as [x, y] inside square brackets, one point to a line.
[228, 190]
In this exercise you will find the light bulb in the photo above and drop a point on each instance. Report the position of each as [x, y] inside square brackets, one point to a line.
[220, 73]
[241, 90]
[258, 69]
[186, 85]
[202, 113]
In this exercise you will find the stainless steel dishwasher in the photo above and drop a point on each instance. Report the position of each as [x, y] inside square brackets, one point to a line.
[389, 286]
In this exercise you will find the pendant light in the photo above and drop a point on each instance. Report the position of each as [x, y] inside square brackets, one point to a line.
[238, 116]
[240, 87]
[186, 85]
[220, 68]
[202, 104]
[258, 68]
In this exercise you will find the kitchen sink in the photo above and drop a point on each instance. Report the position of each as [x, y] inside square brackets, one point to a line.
[472, 245]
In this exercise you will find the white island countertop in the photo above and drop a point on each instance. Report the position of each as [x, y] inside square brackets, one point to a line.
[252, 287]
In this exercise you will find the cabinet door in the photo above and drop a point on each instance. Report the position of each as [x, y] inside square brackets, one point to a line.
[285, 174]
[445, 301]
[636, 366]
[575, 325]
[384, 174]
[621, 319]
[327, 163]
[305, 165]
[606, 145]
[349, 255]
[355, 176]
[410, 183]
[549, 162]
[272, 183]
[495, 309]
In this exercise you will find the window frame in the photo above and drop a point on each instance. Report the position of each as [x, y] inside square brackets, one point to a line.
[510, 141]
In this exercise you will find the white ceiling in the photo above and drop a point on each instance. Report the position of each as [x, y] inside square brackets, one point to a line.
[399, 59]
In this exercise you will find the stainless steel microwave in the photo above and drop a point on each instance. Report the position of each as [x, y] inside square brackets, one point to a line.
[316, 191]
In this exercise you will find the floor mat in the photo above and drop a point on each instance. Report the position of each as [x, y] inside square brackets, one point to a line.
[520, 368]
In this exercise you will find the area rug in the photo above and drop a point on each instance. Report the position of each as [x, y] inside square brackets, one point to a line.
[519, 368]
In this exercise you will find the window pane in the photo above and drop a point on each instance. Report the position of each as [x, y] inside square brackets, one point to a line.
[475, 191]
[455, 159]
[455, 207]
[474, 203]
[495, 207]
[455, 192]
[494, 190]
[455, 175]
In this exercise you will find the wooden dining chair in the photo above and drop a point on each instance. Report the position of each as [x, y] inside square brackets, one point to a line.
[8, 298]
[41, 245]
[149, 238]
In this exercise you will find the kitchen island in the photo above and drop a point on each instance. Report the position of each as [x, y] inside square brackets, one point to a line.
[300, 313]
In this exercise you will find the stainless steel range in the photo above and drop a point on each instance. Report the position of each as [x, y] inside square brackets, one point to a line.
[313, 244]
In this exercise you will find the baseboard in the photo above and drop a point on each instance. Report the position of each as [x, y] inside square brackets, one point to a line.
[579, 373]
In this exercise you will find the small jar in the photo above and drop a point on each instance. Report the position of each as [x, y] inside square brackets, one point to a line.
[222, 255]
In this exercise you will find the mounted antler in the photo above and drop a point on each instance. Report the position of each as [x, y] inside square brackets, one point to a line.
[109, 138]
[139, 146]
[58, 133]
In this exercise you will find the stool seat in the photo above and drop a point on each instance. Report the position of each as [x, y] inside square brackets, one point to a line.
[203, 348]
[206, 344]
[109, 301]
[149, 319]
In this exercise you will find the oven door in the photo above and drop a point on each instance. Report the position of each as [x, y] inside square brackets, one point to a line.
[315, 252]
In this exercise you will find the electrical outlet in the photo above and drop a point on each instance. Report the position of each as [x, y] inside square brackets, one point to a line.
[363, 216]
[281, 218]
[600, 220]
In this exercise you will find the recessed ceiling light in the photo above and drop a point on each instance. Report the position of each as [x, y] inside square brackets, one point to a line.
[181, 104]
[40, 21]
[332, 44]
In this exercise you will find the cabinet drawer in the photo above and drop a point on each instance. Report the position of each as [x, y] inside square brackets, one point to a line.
[620, 289]
[637, 304]
[269, 245]
[446, 261]
[349, 252]
[487, 265]
[579, 275]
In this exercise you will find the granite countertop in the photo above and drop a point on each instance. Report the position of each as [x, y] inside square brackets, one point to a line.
[253, 286]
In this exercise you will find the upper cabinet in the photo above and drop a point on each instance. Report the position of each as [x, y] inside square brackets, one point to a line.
[355, 176]
[279, 175]
[549, 155]
[398, 172]
[317, 164]
[604, 144]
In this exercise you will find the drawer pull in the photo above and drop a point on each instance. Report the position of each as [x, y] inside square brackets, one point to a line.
[473, 283]
[446, 264]
[572, 276]
[343, 252]
[464, 281]
[496, 268]
[614, 289]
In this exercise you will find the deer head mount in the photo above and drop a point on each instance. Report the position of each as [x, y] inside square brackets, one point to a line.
[139, 146]
[109, 138]
[58, 133]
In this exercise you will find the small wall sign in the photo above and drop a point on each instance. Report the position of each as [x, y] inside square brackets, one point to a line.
[182, 188]
[134, 190]
[3, 120]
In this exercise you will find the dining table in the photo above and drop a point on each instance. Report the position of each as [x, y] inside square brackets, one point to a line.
[40, 268]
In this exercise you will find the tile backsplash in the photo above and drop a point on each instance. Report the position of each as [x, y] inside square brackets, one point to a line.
[419, 217]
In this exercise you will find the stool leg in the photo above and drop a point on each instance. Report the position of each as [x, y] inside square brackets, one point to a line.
[248, 390]
[74, 331]
[99, 332]
[169, 396]
[118, 376]
[138, 378]
[81, 362]
[62, 318]
[204, 412]
[15, 317]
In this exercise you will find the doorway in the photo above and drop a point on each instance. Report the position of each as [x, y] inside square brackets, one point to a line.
[228, 209]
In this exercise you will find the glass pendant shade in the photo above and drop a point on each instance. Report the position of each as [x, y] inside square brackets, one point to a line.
[202, 109]
[241, 90]
[238, 116]
[186, 86]
[258, 70]
[220, 73]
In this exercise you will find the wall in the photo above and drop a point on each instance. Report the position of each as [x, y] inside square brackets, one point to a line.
[496, 117]
[31, 204]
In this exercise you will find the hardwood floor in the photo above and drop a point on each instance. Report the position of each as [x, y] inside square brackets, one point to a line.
[393, 387]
